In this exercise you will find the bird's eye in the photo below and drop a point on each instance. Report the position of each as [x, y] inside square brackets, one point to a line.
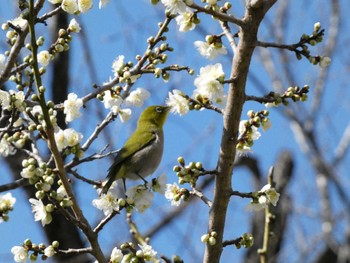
[159, 109]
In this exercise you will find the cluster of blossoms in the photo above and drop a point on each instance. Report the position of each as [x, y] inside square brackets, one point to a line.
[112, 98]
[188, 173]
[185, 18]
[113, 101]
[77, 6]
[145, 253]
[62, 44]
[211, 48]
[175, 194]
[12, 100]
[294, 93]
[22, 253]
[139, 197]
[11, 35]
[209, 89]
[210, 238]
[314, 38]
[248, 130]
[246, 241]
[267, 195]
[7, 202]
[43, 57]
[43, 178]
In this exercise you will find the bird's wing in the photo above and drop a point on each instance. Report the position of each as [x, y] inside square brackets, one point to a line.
[135, 143]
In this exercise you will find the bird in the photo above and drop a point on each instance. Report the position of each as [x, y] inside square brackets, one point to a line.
[142, 152]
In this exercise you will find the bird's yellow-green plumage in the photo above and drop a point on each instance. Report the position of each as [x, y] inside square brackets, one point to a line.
[142, 152]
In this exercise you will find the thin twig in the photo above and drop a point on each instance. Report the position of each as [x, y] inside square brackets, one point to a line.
[104, 221]
[263, 252]
[199, 194]
[82, 178]
[219, 15]
[14, 185]
[232, 242]
[76, 251]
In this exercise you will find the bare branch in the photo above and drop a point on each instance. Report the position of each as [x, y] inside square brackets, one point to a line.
[222, 16]
[199, 194]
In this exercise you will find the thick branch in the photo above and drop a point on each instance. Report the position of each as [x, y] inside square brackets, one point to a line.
[235, 101]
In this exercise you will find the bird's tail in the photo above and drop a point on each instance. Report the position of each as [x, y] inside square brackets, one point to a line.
[107, 185]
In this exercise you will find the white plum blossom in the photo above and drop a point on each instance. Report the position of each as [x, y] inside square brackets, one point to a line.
[29, 172]
[118, 65]
[17, 123]
[137, 97]
[133, 78]
[244, 150]
[107, 202]
[19, 102]
[61, 193]
[72, 137]
[37, 110]
[49, 251]
[67, 137]
[140, 197]
[317, 26]
[255, 206]
[70, 6]
[6, 148]
[7, 202]
[176, 6]
[172, 193]
[268, 195]
[40, 213]
[17, 99]
[112, 102]
[20, 254]
[72, 107]
[266, 124]
[74, 26]
[116, 255]
[178, 103]
[271, 194]
[2, 62]
[44, 58]
[149, 254]
[159, 184]
[325, 62]
[253, 133]
[208, 83]
[84, 5]
[124, 115]
[4, 99]
[19, 22]
[209, 51]
[55, 1]
[103, 3]
[60, 141]
[212, 2]
[270, 105]
[185, 21]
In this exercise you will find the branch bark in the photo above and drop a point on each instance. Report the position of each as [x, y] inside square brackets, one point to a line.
[255, 12]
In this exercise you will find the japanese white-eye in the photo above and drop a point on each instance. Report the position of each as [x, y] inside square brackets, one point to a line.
[142, 152]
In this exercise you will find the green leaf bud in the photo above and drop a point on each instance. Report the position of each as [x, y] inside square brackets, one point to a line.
[55, 244]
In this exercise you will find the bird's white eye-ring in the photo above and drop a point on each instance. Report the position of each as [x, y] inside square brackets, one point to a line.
[159, 109]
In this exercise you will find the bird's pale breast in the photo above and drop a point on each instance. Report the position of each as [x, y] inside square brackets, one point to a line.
[146, 161]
